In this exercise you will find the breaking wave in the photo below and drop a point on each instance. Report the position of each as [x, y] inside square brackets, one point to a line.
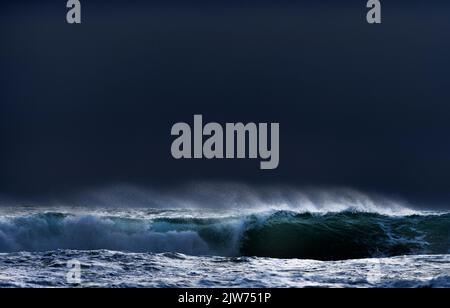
[278, 234]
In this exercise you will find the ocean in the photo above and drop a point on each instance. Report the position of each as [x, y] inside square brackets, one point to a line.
[141, 247]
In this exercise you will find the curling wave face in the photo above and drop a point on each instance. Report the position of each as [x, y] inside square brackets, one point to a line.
[276, 233]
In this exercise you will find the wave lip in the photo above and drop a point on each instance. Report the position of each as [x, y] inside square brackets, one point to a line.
[276, 234]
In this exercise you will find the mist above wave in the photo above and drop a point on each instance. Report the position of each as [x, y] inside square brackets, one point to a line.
[227, 197]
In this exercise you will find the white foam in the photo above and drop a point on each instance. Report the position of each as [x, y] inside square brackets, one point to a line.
[37, 233]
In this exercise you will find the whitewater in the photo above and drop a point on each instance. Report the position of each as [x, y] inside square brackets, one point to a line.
[351, 242]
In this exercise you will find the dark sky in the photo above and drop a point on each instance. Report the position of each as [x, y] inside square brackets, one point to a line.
[361, 106]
